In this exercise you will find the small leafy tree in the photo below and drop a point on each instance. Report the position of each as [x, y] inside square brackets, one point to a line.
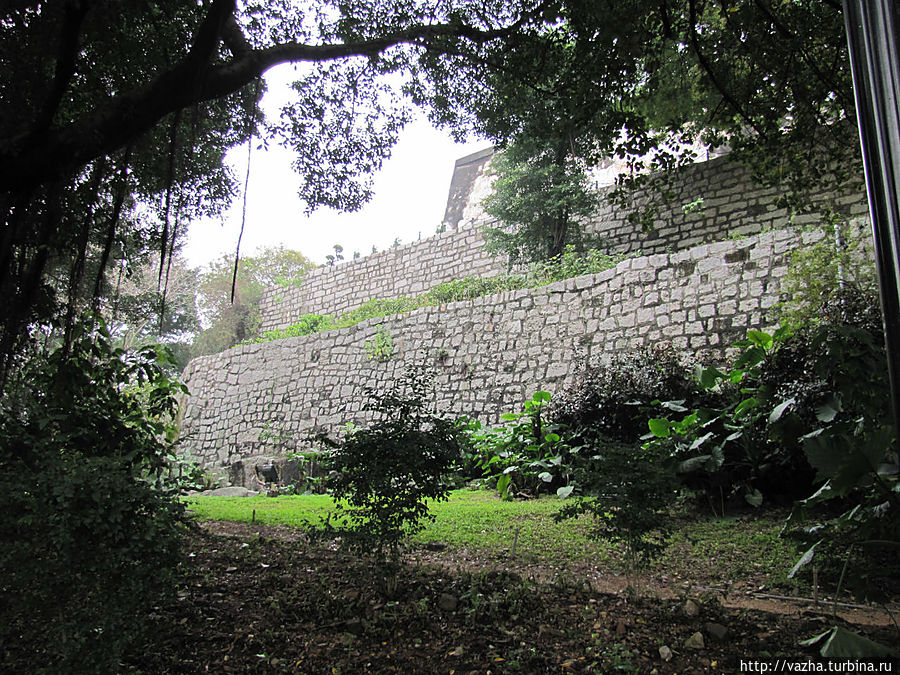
[228, 320]
[540, 198]
[827, 269]
[384, 474]
[632, 490]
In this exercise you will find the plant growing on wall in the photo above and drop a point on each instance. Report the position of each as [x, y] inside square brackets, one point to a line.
[381, 346]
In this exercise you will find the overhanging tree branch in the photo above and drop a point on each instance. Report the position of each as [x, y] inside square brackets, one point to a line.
[126, 117]
[74, 15]
[707, 67]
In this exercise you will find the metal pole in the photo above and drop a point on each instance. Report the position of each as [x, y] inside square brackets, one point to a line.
[872, 41]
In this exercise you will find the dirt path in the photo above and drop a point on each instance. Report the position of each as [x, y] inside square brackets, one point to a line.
[742, 595]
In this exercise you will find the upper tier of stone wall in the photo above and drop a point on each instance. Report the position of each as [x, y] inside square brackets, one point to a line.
[405, 270]
[732, 205]
[489, 353]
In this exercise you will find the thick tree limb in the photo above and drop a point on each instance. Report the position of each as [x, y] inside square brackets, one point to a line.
[233, 38]
[120, 120]
[69, 45]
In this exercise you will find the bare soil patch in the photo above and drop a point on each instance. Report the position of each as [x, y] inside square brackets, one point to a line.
[262, 599]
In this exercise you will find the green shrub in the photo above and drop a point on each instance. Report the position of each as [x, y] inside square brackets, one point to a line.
[91, 526]
[850, 442]
[571, 263]
[827, 269]
[469, 288]
[564, 266]
[384, 474]
[632, 490]
[783, 396]
[612, 399]
[527, 455]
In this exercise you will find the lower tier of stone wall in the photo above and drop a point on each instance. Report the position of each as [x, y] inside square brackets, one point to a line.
[489, 354]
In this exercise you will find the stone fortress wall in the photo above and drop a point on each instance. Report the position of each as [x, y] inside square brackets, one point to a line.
[405, 270]
[696, 287]
[731, 206]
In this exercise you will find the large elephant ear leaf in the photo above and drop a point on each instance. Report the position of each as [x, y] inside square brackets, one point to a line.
[826, 453]
[829, 409]
[780, 409]
[693, 464]
[660, 427]
[840, 643]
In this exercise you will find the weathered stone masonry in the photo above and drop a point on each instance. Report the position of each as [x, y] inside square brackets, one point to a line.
[732, 206]
[693, 287]
[489, 353]
[406, 270]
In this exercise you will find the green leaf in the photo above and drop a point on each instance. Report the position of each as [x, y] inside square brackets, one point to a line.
[840, 643]
[660, 427]
[674, 406]
[759, 338]
[510, 417]
[546, 476]
[541, 396]
[782, 333]
[700, 441]
[736, 375]
[752, 356]
[832, 456]
[780, 410]
[709, 377]
[754, 498]
[693, 464]
[804, 560]
[688, 422]
[552, 438]
[564, 492]
[745, 407]
[829, 409]
[503, 486]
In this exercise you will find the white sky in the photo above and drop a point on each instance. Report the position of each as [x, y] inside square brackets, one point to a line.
[409, 201]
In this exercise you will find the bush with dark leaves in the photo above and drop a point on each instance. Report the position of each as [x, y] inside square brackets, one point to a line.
[613, 399]
[90, 533]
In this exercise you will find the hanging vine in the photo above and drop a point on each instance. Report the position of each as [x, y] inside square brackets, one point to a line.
[112, 225]
[251, 127]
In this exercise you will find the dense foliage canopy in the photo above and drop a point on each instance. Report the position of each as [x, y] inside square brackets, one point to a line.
[116, 117]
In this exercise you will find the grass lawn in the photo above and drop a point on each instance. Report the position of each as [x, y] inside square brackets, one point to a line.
[717, 550]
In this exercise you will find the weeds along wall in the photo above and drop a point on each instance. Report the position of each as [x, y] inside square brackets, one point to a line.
[488, 353]
[705, 202]
[406, 270]
[409, 269]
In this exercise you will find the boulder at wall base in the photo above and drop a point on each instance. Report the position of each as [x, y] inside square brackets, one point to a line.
[257, 472]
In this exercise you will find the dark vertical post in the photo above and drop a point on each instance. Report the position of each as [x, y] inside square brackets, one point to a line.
[872, 40]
